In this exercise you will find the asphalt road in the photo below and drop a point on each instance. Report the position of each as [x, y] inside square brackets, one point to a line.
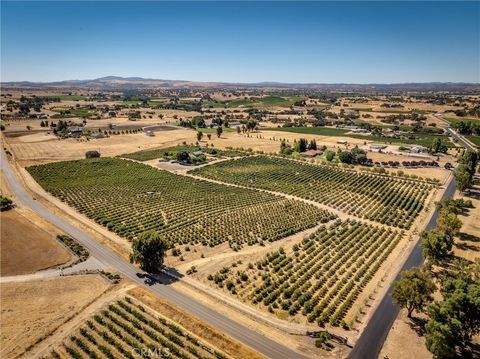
[371, 341]
[460, 139]
[260, 343]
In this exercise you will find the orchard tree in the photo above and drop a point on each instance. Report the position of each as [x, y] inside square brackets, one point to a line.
[209, 136]
[199, 135]
[219, 131]
[148, 250]
[414, 290]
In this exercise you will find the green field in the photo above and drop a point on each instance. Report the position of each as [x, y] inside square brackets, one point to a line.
[267, 101]
[72, 97]
[129, 198]
[461, 119]
[75, 112]
[320, 131]
[474, 139]
[384, 199]
[419, 139]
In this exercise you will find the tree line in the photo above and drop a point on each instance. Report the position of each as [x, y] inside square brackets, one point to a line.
[454, 319]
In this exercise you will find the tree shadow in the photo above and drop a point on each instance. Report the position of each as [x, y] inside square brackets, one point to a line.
[468, 237]
[417, 325]
[467, 247]
[474, 348]
[472, 194]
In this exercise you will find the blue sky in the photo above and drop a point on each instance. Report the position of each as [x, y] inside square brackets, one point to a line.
[325, 42]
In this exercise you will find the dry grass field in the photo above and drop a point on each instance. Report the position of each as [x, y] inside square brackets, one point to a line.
[50, 150]
[27, 248]
[467, 245]
[31, 311]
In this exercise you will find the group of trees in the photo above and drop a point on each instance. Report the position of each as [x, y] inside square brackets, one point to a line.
[453, 320]
[299, 146]
[466, 169]
[467, 127]
[438, 146]
[437, 243]
[355, 156]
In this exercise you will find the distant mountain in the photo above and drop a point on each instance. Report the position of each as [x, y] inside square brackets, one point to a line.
[124, 83]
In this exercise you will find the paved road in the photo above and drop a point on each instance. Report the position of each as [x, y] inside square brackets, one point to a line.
[458, 137]
[251, 338]
[371, 341]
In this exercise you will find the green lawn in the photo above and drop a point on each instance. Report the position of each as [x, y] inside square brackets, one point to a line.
[460, 119]
[72, 97]
[320, 131]
[267, 101]
[474, 139]
[75, 112]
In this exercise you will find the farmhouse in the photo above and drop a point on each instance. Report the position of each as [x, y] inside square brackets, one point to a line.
[311, 153]
[75, 131]
[197, 154]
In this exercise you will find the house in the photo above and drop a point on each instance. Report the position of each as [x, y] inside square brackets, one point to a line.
[149, 133]
[197, 153]
[342, 142]
[75, 131]
[311, 153]
[42, 116]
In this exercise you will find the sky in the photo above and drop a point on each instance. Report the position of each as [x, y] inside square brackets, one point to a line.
[296, 42]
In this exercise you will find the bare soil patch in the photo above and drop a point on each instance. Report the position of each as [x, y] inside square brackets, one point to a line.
[403, 342]
[27, 248]
[467, 244]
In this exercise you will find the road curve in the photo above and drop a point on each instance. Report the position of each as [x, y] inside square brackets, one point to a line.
[256, 341]
[371, 341]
